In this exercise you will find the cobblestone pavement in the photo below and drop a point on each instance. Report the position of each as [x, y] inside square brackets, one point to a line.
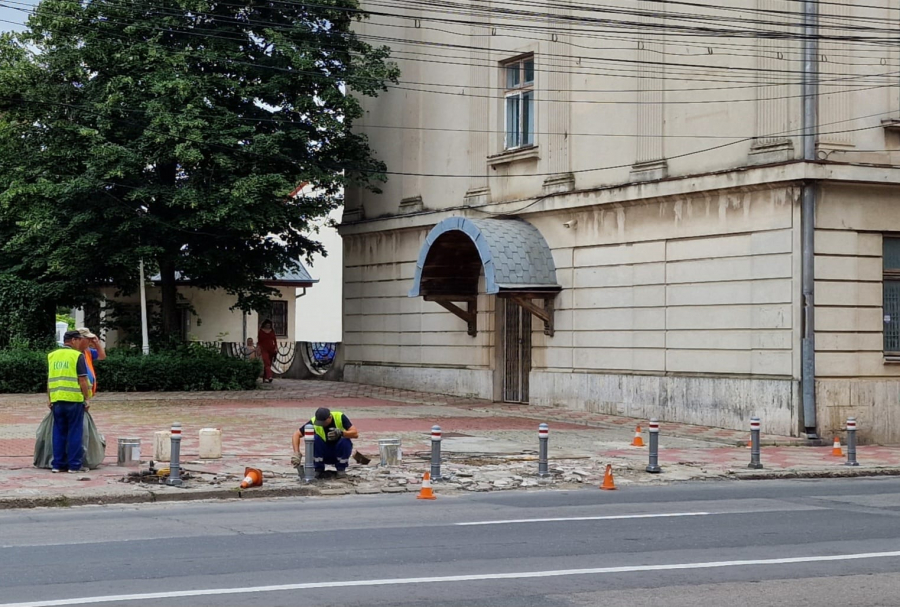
[487, 446]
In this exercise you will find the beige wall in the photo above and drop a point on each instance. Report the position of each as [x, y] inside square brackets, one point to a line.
[213, 321]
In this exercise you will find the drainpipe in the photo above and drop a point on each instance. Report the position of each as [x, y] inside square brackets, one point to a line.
[808, 217]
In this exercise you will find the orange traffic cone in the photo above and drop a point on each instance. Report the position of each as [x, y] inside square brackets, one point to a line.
[252, 478]
[836, 449]
[608, 483]
[426, 493]
[638, 441]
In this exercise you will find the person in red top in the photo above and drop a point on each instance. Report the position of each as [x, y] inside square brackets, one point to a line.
[267, 346]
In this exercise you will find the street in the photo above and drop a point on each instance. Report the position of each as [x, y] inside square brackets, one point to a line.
[827, 542]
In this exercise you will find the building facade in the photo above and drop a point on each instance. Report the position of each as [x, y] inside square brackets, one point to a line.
[601, 210]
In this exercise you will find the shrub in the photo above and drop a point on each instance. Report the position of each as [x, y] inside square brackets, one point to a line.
[23, 371]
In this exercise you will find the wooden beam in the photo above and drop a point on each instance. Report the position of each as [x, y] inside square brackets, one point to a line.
[544, 313]
[470, 315]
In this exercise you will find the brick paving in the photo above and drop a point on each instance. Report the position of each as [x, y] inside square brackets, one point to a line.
[257, 425]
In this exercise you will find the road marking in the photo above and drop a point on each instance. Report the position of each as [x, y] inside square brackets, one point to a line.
[452, 578]
[585, 518]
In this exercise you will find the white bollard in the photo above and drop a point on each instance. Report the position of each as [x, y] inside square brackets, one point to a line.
[162, 446]
[210, 443]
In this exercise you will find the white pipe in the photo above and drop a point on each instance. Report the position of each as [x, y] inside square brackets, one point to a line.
[145, 331]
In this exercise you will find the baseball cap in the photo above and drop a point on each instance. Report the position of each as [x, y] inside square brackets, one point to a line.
[322, 414]
[70, 335]
[86, 332]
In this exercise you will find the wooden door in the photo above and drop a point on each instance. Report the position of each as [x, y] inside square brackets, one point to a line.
[516, 341]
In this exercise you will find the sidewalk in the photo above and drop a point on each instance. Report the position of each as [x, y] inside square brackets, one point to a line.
[486, 446]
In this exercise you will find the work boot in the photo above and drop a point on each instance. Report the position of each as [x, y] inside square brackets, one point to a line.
[320, 474]
[340, 474]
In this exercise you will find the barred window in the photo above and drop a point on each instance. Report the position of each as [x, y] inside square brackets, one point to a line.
[278, 314]
[891, 277]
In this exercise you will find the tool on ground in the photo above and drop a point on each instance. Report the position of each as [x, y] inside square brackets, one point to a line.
[426, 493]
[543, 437]
[252, 478]
[309, 442]
[174, 479]
[436, 452]
[361, 459]
[608, 483]
[638, 440]
[851, 442]
[754, 464]
[836, 450]
[653, 464]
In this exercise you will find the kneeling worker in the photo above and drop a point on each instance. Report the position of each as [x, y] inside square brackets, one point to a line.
[332, 444]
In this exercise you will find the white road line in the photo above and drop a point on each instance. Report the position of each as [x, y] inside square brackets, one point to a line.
[586, 518]
[453, 578]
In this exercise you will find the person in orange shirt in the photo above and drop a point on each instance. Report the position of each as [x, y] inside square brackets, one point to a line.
[267, 346]
[93, 350]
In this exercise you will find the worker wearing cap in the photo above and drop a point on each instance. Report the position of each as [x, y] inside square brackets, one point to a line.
[69, 394]
[93, 350]
[332, 442]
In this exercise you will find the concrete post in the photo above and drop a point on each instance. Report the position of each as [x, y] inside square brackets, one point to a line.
[851, 442]
[543, 436]
[754, 444]
[174, 479]
[653, 466]
[309, 467]
[435, 453]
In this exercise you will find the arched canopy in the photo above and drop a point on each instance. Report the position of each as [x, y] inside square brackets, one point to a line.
[513, 253]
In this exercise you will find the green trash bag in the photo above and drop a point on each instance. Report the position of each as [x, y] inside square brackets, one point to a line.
[94, 443]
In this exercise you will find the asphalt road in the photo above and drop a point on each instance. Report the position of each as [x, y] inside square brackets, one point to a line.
[822, 543]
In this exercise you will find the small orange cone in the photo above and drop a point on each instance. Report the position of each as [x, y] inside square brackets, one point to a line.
[426, 493]
[638, 441]
[252, 478]
[608, 483]
[836, 449]
[749, 444]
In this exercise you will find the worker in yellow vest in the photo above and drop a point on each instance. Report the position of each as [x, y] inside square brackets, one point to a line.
[69, 392]
[332, 443]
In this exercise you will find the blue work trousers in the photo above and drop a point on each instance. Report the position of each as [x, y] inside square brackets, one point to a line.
[337, 454]
[68, 433]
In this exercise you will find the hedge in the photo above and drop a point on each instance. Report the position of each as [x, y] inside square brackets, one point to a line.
[25, 371]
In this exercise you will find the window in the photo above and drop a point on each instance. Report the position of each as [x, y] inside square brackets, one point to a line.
[278, 314]
[891, 277]
[518, 77]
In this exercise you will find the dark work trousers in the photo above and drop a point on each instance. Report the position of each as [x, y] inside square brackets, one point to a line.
[337, 454]
[68, 430]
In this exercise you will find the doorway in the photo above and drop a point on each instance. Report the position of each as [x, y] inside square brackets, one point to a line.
[516, 350]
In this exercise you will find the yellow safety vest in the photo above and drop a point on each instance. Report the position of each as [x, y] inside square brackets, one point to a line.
[62, 376]
[337, 416]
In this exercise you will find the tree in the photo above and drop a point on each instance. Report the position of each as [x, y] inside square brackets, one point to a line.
[174, 131]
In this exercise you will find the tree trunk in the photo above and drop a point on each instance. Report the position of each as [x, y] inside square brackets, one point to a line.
[170, 319]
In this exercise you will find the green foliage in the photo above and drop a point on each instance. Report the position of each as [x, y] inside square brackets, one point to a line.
[23, 371]
[66, 318]
[191, 369]
[174, 131]
[26, 314]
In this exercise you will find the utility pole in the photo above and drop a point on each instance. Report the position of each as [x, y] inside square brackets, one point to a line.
[808, 215]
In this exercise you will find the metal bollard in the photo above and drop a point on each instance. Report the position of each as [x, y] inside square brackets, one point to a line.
[174, 461]
[653, 466]
[309, 467]
[754, 444]
[543, 436]
[435, 453]
[851, 442]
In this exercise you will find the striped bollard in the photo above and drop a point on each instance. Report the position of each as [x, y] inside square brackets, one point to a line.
[851, 442]
[174, 479]
[435, 453]
[754, 444]
[543, 436]
[653, 466]
[309, 442]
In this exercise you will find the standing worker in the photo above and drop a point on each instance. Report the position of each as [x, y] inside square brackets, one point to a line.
[267, 347]
[332, 443]
[93, 350]
[70, 395]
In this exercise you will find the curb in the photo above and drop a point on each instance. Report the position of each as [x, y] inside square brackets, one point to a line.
[152, 497]
[789, 474]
